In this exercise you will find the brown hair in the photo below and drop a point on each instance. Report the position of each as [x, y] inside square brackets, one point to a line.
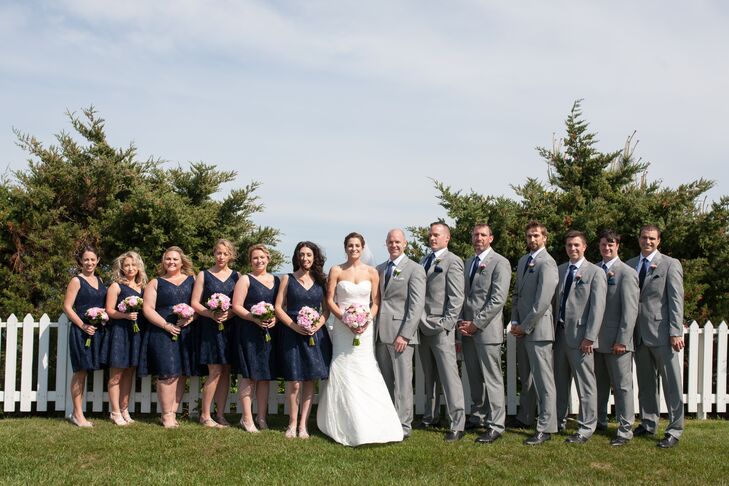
[610, 235]
[536, 224]
[651, 227]
[575, 234]
[354, 234]
[83, 249]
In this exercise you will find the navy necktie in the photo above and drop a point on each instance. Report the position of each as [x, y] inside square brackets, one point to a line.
[566, 291]
[429, 261]
[526, 267]
[474, 267]
[643, 271]
[604, 267]
[388, 272]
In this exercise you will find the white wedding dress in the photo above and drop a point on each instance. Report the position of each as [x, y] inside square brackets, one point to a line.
[354, 404]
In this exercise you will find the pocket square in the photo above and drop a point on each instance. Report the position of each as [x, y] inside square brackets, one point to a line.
[437, 270]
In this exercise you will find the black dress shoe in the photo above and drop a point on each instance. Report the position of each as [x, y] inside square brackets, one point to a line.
[453, 435]
[515, 423]
[667, 442]
[473, 426]
[425, 425]
[489, 437]
[619, 441]
[641, 431]
[538, 438]
[576, 439]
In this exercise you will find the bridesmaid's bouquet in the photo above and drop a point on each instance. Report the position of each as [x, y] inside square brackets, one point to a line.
[96, 317]
[132, 303]
[182, 311]
[265, 312]
[356, 316]
[307, 318]
[219, 303]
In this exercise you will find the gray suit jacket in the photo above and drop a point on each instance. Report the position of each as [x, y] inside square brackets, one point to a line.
[660, 311]
[401, 303]
[485, 298]
[531, 300]
[585, 303]
[443, 294]
[621, 308]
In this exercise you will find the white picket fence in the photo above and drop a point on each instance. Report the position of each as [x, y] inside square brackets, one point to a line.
[33, 392]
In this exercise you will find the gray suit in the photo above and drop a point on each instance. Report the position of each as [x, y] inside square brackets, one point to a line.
[484, 305]
[443, 302]
[618, 322]
[660, 316]
[401, 307]
[531, 307]
[583, 313]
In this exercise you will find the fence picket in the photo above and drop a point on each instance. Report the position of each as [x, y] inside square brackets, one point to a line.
[11, 358]
[44, 341]
[693, 379]
[721, 367]
[146, 395]
[63, 360]
[26, 364]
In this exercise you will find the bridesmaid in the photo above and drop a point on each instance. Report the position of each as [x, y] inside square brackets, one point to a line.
[84, 291]
[255, 361]
[299, 363]
[121, 346]
[169, 342]
[214, 351]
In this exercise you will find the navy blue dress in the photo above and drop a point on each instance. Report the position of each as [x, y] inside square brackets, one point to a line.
[83, 358]
[161, 355]
[255, 358]
[296, 360]
[121, 345]
[214, 344]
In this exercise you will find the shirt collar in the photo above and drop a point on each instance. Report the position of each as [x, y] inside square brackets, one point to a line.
[398, 260]
[578, 264]
[440, 252]
[482, 256]
[534, 255]
[611, 262]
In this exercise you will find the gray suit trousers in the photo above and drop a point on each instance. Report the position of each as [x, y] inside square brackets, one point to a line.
[528, 396]
[486, 380]
[397, 371]
[541, 359]
[652, 362]
[438, 358]
[572, 363]
[616, 370]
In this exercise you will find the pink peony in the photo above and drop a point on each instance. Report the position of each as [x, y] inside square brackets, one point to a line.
[219, 303]
[307, 318]
[182, 311]
[132, 303]
[265, 312]
[96, 317]
[356, 316]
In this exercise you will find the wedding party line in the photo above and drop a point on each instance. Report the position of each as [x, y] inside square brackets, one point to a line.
[579, 321]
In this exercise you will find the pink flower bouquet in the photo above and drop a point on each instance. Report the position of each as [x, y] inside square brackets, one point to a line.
[219, 303]
[182, 311]
[356, 316]
[265, 312]
[307, 318]
[96, 317]
[132, 303]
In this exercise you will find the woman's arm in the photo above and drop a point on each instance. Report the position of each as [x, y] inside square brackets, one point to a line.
[71, 292]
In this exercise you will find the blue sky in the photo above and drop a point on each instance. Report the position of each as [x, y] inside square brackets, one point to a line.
[345, 110]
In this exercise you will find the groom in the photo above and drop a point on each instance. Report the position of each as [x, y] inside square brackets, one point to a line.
[402, 297]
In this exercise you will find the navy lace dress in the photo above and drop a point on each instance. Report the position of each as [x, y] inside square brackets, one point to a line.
[83, 358]
[121, 345]
[161, 355]
[214, 344]
[255, 358]
[296, 360]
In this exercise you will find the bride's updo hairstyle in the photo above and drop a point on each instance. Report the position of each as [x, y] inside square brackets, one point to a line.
[354, 234]
[317, 268]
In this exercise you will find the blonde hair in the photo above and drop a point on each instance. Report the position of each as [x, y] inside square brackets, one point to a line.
[186, 262]
[228, 245]
[261, 247]
[117, 271]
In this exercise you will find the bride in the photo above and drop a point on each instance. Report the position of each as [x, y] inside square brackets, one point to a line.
[354, 405]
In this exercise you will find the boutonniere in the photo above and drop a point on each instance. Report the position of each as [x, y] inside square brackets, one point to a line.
[611, 277]
[653, 266]
[437, 261]
[578, 278]
[396, 272]
[531, 267]
[610, 273]
[481, 267]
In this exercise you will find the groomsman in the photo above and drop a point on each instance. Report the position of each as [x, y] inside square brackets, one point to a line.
[402, 297]
[443, 302]
[579, 305]
[658, 336]
[614, 352]
[482, 330]
[532, 324]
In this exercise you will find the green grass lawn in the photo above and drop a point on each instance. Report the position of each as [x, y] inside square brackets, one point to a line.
[50, 450]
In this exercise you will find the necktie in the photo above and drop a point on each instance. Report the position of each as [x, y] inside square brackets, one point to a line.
[566, 291]
[428, 261]
[641, 274]
[604, 267]
[388, 272]
[474, 267]
[526, 267]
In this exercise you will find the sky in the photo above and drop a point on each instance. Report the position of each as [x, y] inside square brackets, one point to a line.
[346, 111]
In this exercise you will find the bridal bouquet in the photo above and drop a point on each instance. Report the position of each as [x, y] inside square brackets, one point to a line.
[96, 317]
[182, 311]
[307, 318]
[219, 303]
[265, 312]
[132, 303]
[356, 316]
